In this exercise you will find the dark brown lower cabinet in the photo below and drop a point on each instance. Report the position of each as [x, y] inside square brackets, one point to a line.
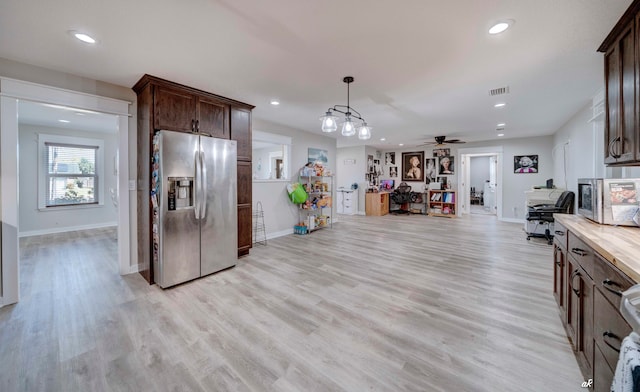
[590, 312]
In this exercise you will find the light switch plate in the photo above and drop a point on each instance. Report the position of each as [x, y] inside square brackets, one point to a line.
[132, 185]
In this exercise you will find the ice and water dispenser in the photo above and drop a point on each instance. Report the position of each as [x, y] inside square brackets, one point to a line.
[180, 192]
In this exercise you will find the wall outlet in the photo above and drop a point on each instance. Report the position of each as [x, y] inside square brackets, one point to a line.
[132, 185]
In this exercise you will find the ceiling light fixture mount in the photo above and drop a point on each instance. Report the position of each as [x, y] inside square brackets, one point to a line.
[84, 37]
[501, 26]
[329, 120]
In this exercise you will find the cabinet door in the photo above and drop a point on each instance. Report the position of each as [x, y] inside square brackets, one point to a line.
[602, 373]
[244, 229]
[213, 118]
[572, 300]
[241, 132]
[620, 91]
[585, 325]
[558, 275]
[173, 110]
[244, 183]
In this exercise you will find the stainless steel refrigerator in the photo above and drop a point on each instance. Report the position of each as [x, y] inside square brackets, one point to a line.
[196, 232]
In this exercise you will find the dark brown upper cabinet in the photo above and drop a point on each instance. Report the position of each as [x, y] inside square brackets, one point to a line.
[178, 110]
[621, 77]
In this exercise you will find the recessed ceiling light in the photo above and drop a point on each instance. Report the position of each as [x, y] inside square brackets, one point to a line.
[501, 134]
[499, 105]
[501, 125]
[501, 26]
[382, 139]
[401, 144]
[64, 121]
[86, 38]
[275, 102]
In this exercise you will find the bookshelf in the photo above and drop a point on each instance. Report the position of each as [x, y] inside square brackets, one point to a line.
[442, 203]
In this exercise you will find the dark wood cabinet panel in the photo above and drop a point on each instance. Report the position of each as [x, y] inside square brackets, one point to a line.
[585, 329]
[621, 77]
[244, 182]
[581, 252]
[244, 229]
[241, 132]
[174, 110]
[213, 118]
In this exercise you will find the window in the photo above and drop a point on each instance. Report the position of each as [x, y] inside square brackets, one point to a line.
[70, 171]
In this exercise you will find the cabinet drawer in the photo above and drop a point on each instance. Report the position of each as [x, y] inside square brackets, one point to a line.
[609, 330]
[609, 280]
[602, 373]
[581, 252]
[560, 235]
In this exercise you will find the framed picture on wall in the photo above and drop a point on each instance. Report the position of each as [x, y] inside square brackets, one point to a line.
[447, 166]
[393, 171]
[525, 164]
[318, 155]
[441, 152]
[369, 163]
[389, 158]
[412, 169]
[430, 171]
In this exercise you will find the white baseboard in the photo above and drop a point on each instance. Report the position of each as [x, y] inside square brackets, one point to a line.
[133, 269]
[66, 229]
[513, 220]
[281, 233]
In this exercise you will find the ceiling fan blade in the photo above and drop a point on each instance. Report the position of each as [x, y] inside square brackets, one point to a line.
[455, 141]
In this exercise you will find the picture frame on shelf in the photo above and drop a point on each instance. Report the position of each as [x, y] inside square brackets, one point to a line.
[412, 163]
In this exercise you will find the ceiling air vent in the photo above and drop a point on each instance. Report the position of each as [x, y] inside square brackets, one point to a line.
[499, 91]
[500, 129]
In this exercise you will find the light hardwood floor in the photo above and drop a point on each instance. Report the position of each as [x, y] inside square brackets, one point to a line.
[393, 303]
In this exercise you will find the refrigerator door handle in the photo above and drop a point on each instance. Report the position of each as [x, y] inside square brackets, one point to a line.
[203, 186]
[196, 209]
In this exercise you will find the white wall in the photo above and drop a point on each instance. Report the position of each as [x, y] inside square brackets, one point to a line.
[280, 215]
[580, 144]
[31, 219]
[479, 172]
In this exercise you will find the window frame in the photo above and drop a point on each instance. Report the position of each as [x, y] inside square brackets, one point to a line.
[44, 140]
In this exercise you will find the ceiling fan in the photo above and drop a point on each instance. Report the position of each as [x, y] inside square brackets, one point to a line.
[442, 140]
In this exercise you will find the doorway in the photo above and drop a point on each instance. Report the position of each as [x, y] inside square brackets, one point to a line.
[14, 92]
[480, 181]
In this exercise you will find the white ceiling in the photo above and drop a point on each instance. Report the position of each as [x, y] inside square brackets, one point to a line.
[422, 67]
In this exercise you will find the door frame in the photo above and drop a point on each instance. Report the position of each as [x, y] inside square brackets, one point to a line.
[465, 175]
[11, 92]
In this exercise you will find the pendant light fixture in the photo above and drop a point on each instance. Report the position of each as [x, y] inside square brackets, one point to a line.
[349, 128]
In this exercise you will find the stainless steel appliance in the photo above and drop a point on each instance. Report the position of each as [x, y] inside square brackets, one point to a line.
[197, 206]
[609, 201]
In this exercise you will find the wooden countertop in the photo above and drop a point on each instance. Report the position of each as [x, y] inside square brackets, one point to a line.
[620, 245]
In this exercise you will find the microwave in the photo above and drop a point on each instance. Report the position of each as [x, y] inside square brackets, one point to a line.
[609, 201]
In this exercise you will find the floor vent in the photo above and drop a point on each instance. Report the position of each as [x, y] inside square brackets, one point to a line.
[499, 91]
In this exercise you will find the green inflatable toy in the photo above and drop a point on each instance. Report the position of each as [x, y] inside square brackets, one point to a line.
[296, 193]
